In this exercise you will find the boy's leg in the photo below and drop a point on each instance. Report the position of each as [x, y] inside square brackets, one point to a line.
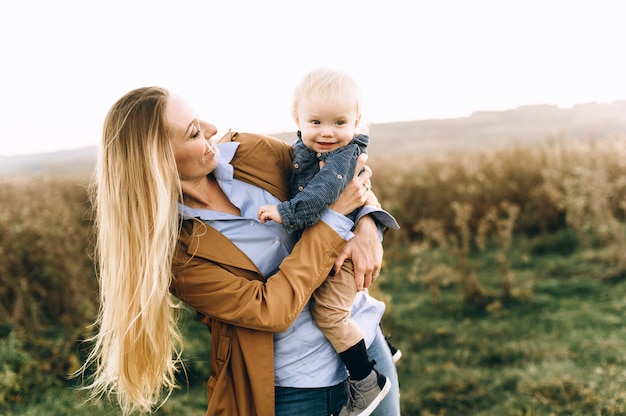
[331, 310]
[331, 306]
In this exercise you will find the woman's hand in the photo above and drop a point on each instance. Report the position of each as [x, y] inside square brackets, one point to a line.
[357, 191]
[365, 250]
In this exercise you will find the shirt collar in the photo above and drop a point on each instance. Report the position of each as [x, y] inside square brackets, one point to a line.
[224, 170]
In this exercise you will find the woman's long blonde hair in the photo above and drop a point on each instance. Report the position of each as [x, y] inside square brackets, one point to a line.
[136, 189]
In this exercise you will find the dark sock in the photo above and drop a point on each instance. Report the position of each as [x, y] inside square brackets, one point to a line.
[357, 361]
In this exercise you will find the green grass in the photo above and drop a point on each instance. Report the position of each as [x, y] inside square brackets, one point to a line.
[556, 348]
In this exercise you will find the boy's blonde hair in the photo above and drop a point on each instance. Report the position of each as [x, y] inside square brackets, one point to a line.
[325, 85]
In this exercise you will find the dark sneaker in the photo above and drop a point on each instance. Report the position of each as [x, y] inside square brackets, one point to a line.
[396, 354]
[365, 395]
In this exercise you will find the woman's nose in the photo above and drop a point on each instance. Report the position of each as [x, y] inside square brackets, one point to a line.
[209, 130]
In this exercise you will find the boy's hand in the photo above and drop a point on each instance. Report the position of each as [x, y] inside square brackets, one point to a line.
[269, 212]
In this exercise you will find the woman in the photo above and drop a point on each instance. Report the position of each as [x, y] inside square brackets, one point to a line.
[155, 153]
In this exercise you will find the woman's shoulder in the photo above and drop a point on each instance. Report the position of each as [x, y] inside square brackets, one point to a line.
[263, 161]
[259, 148]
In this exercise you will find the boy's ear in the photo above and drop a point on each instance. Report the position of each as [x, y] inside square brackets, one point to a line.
[357, 121]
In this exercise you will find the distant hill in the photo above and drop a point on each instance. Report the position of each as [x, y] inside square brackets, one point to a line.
[482, 130]
[495, 129]
[76, 161]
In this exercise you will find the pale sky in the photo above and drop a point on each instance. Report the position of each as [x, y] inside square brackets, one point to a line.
[64, 63]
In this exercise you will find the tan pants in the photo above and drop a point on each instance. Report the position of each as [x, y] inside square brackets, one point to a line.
[331, 306]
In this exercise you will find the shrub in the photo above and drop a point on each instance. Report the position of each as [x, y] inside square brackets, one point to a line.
[47, 280]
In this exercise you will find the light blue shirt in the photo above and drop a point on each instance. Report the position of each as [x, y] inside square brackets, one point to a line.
[303, 357]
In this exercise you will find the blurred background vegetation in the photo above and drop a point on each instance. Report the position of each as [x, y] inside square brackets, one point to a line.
[505, 285]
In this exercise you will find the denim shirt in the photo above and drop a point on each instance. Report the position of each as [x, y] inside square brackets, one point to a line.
[312, 188]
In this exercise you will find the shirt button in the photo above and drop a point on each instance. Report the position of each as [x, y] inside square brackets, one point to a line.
[251, 222]
[319, 155]
[292, 226]
[276, 242]
[296, 166]
[339, 176]
[300, 188]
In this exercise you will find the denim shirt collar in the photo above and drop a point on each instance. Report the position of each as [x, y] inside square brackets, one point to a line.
[309, 155]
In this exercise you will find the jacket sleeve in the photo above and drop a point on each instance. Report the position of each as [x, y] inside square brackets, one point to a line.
[240, 297]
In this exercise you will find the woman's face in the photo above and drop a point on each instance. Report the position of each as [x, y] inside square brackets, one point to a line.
[195, 154]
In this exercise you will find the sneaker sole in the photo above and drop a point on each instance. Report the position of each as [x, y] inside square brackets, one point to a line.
[383, 393]
[396, 357]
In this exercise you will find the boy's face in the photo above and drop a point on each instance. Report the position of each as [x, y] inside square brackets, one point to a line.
[327, 127]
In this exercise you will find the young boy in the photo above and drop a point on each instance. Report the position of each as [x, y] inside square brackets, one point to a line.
[326, 109]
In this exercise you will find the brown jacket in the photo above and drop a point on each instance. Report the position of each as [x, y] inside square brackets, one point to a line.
[239, 306]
